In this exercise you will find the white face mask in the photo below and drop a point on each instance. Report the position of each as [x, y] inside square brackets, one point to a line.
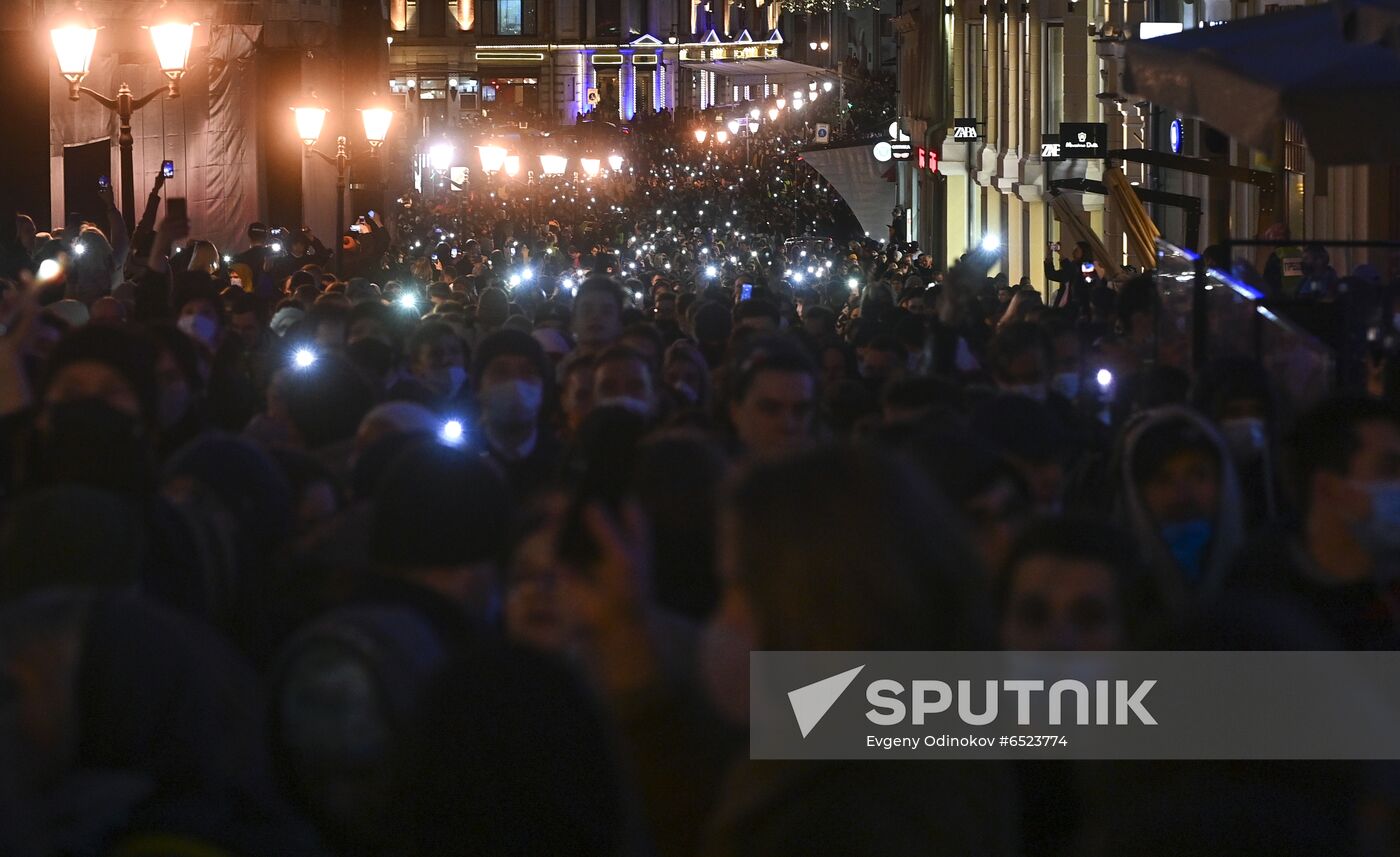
[200, 328]
[513, 403]
[636, 406]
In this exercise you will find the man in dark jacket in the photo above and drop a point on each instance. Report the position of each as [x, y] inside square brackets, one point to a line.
[511, 373]
[1339, 562]
[1074, 287]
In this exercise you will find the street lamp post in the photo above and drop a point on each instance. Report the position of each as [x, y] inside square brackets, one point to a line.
[73, 44]
[311, 118]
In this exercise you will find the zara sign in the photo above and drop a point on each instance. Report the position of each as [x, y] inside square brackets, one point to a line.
[965, 129]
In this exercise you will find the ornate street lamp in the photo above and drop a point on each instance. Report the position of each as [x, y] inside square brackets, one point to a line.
[441, 156]
[591, 166]
[493, 157]
[310, 121]
[701, 134]
[73, 44]
[553, 165]
[615, 162]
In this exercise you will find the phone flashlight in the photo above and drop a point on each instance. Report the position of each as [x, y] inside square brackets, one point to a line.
[452, 432]
[302, 358]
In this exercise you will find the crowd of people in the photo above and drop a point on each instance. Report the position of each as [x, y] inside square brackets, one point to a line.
[462, 548]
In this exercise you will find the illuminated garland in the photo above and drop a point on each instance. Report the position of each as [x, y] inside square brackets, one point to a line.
[808, 6]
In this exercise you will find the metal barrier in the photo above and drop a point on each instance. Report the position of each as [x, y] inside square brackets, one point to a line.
[1204, 314]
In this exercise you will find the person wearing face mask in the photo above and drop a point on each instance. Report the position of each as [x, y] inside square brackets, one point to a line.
[98, 414]
[1179, 497]
[1023, 362]
[182, 406]
[437, 359]
[1066, 361]
[1340, 559]
[1235, 392]
[96, 423]
[198, 311]
[881, 360]
[510, 372]
[1019, 360]
[200, 314]
[687, 376]
[623, 377]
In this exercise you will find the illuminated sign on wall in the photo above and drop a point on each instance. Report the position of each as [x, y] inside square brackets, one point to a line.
[965, 129]
[1083, 140]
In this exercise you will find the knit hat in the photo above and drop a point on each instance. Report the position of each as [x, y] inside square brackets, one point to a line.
[129, 355]
[248, 483]
[439, 506]
[505, 343]
[284, 318]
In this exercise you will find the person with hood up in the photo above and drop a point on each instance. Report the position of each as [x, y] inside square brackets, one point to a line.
[1180, 498]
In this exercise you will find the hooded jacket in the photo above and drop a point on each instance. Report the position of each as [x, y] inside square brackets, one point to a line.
[1227, 533]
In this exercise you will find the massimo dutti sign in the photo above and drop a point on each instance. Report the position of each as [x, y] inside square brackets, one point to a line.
[1083, 140]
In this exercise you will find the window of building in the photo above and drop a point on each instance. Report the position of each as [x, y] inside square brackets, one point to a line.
[515, 17]
[1053, 107]
[411, 16]
[432, 18]
[607, 18]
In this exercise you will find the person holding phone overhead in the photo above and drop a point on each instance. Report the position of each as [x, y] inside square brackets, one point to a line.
[1073, 292]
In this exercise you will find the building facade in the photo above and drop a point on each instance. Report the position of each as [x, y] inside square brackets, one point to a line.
[549, 62]
[986, 89]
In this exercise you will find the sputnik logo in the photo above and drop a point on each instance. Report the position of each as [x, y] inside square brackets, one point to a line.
[811, 702]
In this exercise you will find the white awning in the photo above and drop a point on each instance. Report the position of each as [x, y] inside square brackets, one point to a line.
[861, 180]
[754, 70]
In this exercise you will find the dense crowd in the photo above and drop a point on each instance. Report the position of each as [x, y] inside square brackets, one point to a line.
[463, 549]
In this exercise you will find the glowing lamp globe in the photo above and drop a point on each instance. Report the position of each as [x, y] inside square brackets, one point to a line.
[553, 165]
[310, 120]
[376, 121]
[173, 40]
